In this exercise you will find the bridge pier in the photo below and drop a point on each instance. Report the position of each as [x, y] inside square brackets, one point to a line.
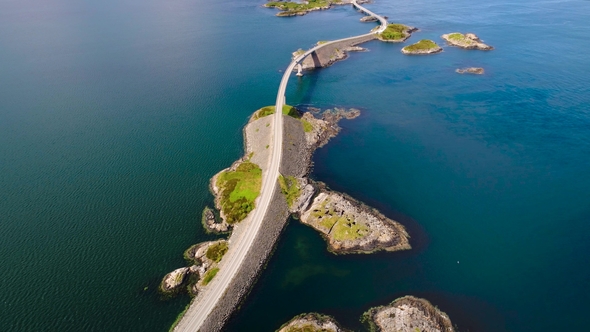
[299, 70]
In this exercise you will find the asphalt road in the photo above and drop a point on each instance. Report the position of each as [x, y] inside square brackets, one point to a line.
[240, 245]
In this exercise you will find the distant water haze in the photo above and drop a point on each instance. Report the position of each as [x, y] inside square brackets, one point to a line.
[115, 114]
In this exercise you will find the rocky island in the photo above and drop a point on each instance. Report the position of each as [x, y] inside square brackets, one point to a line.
[471, 70]
[352, 227]
[312, 322]
[406, 314]
[424, 46]
[467, 41]
[290, 8]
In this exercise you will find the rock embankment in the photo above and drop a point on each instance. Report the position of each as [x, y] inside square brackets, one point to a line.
[352, 227]
[311, 323]
[467, 41]
[408, 313]
[423, 47]
[471, 70]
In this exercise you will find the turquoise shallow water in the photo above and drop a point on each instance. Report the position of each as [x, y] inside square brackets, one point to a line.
[114, 114]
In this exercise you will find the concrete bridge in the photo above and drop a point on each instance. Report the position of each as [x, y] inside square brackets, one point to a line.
[204, 313]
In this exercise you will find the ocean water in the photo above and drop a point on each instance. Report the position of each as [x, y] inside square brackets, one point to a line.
[114, 115]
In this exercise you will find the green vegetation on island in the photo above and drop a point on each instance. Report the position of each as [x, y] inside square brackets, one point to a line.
[424, 46]
[210, 275]
[268, 110]
[287, 110]
[216, 251]
[342, 226]
[238, 189]
[290, 188]
[290, 8]
[396, 32]
[466, 41]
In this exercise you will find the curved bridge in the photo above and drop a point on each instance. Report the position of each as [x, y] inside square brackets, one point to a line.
[200, 309]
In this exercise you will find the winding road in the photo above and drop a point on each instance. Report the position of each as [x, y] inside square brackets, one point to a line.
[205, 303]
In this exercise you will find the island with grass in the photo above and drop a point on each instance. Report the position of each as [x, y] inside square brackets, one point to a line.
[467, 41]
[291, 8]
[424, 46]
[396, 33]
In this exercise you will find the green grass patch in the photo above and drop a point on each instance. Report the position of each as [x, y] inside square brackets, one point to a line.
[268, 110]
[424, 44]
[216, 251]
[289, 6]
[209, 275]
[394, 32]
[304, 328]
[342, 226]
[290, 188]
[460, 38]
[307, 127]
[238, 190]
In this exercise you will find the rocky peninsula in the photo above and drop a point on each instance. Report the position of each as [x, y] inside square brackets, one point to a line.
[406, 314]
[467, 41]
[471, 70]
[424, 46]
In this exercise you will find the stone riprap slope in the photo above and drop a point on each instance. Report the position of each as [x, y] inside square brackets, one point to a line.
[352, 227]
[408, 314]
[330, 54]
[311, 323]
[467, 41]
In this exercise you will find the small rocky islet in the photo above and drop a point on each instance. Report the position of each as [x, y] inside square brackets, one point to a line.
[468, 41]
[471, 70]
[424, 46]
[405, 314]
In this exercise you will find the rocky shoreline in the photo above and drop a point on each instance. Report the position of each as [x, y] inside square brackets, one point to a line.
[191, 278]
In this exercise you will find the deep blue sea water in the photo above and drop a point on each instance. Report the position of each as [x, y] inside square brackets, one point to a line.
[114, 115]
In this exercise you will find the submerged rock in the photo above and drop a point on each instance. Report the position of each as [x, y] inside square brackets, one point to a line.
[471, 70]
